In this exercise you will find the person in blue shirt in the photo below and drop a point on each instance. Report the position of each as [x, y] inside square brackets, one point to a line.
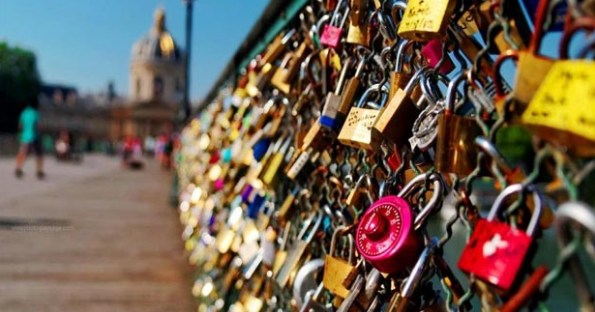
[30, 141]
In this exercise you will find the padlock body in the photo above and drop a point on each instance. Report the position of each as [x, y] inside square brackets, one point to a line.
[531, 72]
[455, 149]
[386, 235]
[396, 119]
[495, 253]
[357, 129]
[331, 36]
[433, 54]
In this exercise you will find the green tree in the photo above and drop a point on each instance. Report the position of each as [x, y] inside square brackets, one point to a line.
[19, 84]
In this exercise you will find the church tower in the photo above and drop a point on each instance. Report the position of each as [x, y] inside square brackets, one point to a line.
[157, 67]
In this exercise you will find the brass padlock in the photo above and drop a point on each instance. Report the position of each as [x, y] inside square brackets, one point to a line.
[424, 20]
[277, 47]
[358, 32]
[285, 75]
[351, 88]
[337, 269]
[532, 68]
[396, 118]
[357, 129]
[456, 151]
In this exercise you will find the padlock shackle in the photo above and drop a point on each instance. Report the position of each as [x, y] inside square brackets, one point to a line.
[517, 189]
[417, 181]
[397, 6]
[411, 283]
[496, 77]
[315, 221]
[343, 75]
[403, 47]
[383, 89]
[582, 214]
[452, 91]
[583, 23]
[490, 149]
[342, 231]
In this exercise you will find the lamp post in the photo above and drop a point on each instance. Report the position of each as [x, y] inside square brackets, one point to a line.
[186, 100]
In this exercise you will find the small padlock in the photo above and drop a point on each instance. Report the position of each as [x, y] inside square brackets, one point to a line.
[351, 88]
[434, 53]
[331, 35]
[495, 252]
[270, 172]
[531, 68]
[337, 269]
[277, 47]
[455, 149]
[358, 26]
[285, 75]
[357, 129]
[298, 249]
[331, 116]
[387, 234]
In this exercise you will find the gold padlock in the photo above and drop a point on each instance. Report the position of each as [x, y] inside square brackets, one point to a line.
[425, 20]
[357, 129]
[337, 269]
[531, 68]
[455, 149]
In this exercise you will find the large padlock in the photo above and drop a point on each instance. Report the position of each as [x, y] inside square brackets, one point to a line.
[455, 149]
[387, 234]
[336, 268]
[425, 20]
[568, 215]
[297, 250]
[357, 129]
[495, 252]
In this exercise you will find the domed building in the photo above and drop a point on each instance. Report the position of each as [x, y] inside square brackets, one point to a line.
[156, 84]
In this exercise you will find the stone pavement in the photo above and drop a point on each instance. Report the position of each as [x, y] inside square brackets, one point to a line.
[91, 237]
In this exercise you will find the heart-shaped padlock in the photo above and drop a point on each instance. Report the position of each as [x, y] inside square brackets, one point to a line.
[387, 233]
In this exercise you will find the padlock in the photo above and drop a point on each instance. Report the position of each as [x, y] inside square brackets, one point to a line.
[399, 78]
[331, 35]
[357, 129]
[285, 75]
[455, 149]
[364, 185]
[301, 165]
[532, 68]
[277, 47]
[556, 112]
[358, 25]
[280, 150]
[569, 215]
[337, 269]
[351, 88]
[331, 116]
[387, 234]
[495, 252]
[423, 20]
[396, 118]
[306, 280]
[318, 137]
[434, 53]
[404, 299]
[298, 249]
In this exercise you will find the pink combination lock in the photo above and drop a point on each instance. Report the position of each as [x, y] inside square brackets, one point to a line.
[433, 53]
[386, 235]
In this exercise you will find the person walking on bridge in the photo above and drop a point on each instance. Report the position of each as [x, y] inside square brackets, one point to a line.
[30, 141]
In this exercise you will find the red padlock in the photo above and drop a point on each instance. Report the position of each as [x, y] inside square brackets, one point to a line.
[433, 53]
[387, 233]
[496, 252]
[332, 32]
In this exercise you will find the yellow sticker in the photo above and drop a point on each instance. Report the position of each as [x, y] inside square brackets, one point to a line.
[423, 16]
[566, 99]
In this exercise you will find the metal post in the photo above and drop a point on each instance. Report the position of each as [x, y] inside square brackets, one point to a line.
[186, 100]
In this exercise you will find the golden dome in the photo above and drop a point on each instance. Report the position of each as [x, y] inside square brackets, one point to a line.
[158, 44]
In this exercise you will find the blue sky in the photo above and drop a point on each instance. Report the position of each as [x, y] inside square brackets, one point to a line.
[86, 43]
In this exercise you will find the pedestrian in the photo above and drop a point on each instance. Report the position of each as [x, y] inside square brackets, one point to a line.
[30, 140]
